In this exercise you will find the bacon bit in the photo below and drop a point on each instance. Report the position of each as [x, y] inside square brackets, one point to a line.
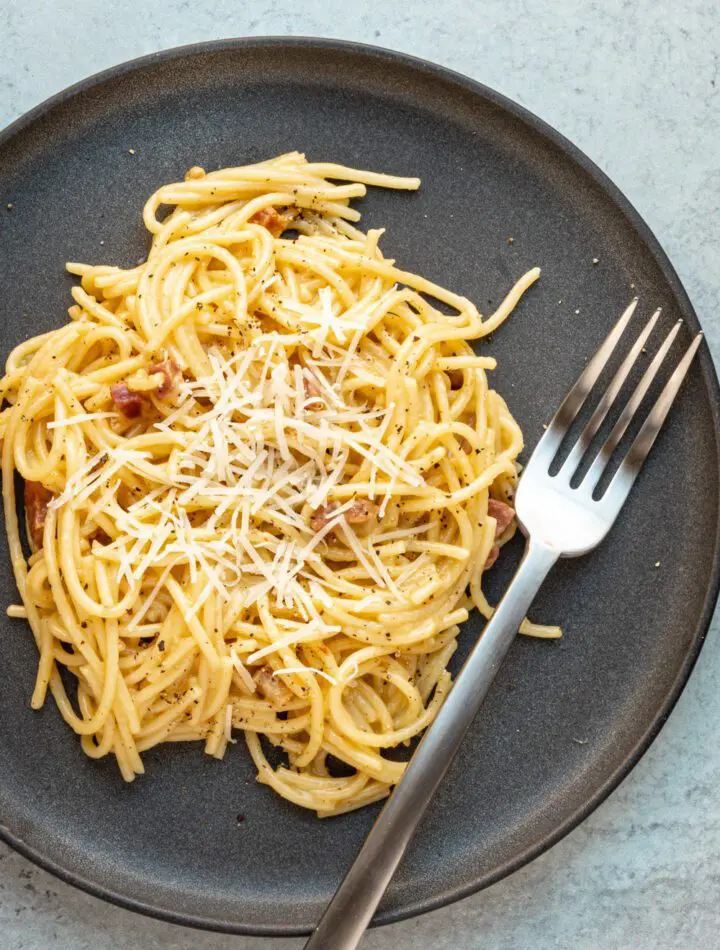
[457, 378]
[194, 173]
[503, 515]
[275, 221]
[129, 403]
[100, 536]
[311, 388]
[360, 512]
[271, 687]
[492, 557]
[37, 498]
[171, 378]
[322, 516]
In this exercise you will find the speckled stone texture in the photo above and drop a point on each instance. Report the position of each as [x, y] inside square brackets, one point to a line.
[635, 86]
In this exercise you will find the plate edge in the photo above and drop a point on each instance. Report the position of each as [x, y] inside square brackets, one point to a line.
[635, 219]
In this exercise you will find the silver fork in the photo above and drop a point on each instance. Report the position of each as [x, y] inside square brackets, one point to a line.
[559, 519]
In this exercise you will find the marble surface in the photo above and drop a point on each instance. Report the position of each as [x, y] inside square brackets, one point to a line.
[636, 84]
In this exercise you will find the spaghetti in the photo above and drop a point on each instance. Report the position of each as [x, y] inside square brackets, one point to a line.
[264, 475]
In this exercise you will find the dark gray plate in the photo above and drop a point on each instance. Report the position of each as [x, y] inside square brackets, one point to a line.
[170, 844]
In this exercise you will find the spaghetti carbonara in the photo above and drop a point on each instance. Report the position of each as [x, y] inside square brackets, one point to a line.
[264, 475]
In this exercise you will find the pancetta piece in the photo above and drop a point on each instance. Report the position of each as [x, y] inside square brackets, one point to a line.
[272, 688]
[172, 377]
[503, 515]
[360, 512]
[128, 402]
[37, 498]
[275, 221]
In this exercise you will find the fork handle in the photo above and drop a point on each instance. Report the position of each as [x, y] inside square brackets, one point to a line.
[351, 909]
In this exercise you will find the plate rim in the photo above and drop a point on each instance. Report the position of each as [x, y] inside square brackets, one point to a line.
[710, 379]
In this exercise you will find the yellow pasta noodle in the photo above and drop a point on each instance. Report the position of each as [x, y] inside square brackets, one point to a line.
[264, 475]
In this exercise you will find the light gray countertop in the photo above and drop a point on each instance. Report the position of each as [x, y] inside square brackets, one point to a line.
[636, 84]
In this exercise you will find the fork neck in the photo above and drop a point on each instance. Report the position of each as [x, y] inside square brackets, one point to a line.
[537, 561]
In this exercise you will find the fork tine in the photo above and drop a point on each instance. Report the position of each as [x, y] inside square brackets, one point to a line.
[623, 479]
[613, 440]
[606, 402]
[562, 420]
